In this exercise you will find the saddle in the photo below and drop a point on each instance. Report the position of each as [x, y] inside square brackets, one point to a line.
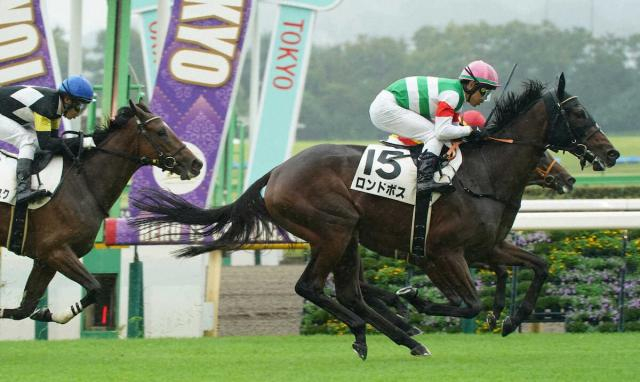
[47, 173]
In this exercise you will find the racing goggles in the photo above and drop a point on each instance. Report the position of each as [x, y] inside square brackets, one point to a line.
[485, 93]
[78, 106]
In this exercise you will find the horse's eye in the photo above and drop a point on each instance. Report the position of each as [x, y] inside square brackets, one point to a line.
[162, 132]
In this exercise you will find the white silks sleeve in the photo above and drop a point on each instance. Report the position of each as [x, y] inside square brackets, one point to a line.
[445, 127]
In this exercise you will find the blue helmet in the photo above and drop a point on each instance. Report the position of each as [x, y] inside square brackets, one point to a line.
[78, 88]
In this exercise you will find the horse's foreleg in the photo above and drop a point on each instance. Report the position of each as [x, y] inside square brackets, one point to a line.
[450, 274]
[499, 298]
[348, 293]
[39, 278]
[66, 262]
[509, 254]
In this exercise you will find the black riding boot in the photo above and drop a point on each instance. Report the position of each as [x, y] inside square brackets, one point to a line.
[428, 164]
[24, 193]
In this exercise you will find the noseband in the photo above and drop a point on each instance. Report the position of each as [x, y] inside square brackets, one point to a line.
[165, 162]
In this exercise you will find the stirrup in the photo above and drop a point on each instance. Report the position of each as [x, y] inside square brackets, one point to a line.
[32, 196]
[441, 188]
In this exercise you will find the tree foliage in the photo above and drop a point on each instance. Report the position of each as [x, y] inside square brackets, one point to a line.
[343, 79]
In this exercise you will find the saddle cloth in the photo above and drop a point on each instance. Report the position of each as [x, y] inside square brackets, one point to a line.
[48, 179]
[390, 172]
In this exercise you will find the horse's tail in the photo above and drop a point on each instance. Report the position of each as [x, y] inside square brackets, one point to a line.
[236, 224]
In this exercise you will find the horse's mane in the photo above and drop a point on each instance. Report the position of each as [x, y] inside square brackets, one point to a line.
[512, 105]
[108, 126]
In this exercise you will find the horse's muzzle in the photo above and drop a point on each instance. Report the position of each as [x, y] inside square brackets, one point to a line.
[612, 157]
[193, 170]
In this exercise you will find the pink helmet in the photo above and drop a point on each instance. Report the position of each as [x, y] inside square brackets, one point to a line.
[481, 72]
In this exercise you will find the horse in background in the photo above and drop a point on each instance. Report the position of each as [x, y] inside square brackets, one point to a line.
[64, 230]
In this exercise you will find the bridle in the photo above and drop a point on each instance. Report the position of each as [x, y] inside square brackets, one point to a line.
[163, 161]
[544, 172]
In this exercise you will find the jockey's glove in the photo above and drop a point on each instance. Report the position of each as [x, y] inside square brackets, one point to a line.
[477, 134]
[88, 143]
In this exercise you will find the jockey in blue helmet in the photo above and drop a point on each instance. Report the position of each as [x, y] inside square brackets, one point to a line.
[29, 120]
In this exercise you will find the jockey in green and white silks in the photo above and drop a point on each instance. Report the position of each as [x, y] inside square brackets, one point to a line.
[425, 110]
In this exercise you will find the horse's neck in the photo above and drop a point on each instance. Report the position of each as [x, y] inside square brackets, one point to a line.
[509, 166]
[106, 175]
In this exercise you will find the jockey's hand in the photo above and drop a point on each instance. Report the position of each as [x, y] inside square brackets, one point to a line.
[88, 143]
[477, 134]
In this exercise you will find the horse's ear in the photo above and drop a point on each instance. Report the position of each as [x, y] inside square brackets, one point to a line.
[135, 108]
[561, 83]
[143, 106]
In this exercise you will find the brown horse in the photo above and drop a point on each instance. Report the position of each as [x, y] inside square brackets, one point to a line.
[548, 174]
[64, 230]
[309, 195]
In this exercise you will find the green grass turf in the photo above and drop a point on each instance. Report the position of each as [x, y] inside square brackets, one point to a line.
[627, 145]
[459, 357]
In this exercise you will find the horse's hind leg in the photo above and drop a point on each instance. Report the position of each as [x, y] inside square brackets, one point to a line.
[509, 254]
[311, 285]
[39, 278]
[346, 277]
[66, 262]
[380, 300]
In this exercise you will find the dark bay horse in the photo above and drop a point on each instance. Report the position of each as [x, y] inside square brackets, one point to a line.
[547, 174]
[309, 195]
[550, 174]
[64, 230]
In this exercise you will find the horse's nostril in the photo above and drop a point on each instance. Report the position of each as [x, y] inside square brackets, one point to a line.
[613, 154]
[196, 165]
[571, 181]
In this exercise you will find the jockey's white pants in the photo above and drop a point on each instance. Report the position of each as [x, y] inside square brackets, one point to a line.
[24, 138]
[388, 116]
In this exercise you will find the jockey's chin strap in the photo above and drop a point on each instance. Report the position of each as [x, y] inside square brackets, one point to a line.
[163, 161]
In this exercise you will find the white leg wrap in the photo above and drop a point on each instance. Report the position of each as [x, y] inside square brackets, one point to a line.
[66, 316]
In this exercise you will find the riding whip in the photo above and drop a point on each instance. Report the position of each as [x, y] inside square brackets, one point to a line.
[504, 89]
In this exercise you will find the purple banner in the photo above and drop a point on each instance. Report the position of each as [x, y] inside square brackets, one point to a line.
[195, 86]
[25, 57]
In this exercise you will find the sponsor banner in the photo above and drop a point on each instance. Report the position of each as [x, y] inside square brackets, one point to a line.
[283, 85]
[318, 5]
[147, 11]
[27, 52]
[195, 87]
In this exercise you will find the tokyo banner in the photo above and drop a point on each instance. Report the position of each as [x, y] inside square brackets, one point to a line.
[195, 87]
[283, 84]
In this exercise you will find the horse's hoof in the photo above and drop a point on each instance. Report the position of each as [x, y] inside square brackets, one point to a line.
[360, 349]
[420, 351]
[413, 331]
[41, 314]
[491, 321]
[407, 292]
[508, 326]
